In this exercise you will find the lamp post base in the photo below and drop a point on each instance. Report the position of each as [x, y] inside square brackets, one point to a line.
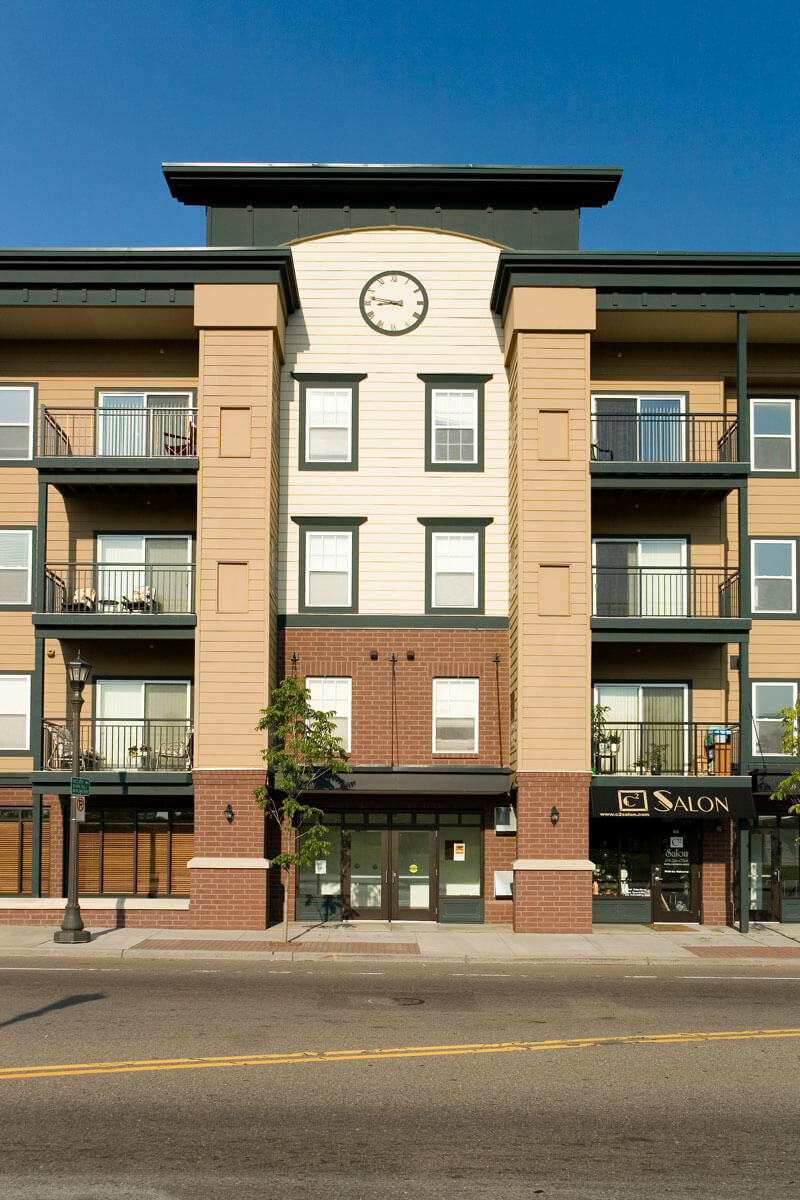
[71, 936]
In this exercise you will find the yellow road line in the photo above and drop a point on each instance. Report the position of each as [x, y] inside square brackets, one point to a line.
[337, 1056]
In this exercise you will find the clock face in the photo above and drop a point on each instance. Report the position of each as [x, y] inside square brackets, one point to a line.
[393, 302]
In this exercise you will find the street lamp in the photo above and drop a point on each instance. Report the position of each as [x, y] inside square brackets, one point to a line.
[72, 930]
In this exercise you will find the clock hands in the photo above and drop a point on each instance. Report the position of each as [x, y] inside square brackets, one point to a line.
[383, 300]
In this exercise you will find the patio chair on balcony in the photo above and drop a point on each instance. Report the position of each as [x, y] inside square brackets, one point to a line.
[180, 445]
[177, 755]
[141, 600]
[600, 454]
[83, 600]
[59, 754]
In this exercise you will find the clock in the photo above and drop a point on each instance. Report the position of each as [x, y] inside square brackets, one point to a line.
[393, 302]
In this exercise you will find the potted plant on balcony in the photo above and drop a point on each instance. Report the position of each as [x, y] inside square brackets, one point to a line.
[600, 734]
[657, 754]
[641, 764]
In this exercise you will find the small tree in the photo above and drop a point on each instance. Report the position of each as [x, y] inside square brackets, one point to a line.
[790, 744]
[303, 749]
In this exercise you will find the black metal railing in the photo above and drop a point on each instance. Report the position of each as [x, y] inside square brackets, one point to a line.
[665, 592]
[668, 748]
[124, 588]
[664, 437]
[118, 432]
[111, 745]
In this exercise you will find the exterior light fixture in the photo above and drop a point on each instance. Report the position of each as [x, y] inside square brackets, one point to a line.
[554, 815]
[72, 931]
[228, 813]
[410, 655]
[373, 655]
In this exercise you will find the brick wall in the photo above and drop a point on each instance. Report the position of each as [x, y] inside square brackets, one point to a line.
[228, 897]
[392, 712]
[717, 874]
[553, 901]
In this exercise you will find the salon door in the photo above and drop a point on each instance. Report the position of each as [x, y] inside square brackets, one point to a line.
[676, 872]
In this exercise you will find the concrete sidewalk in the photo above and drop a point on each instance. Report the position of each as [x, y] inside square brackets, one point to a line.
[410, 942]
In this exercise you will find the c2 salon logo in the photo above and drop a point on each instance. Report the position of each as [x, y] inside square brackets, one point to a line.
[632, 800]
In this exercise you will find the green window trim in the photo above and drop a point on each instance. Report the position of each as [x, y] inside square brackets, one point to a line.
[789, 614]
[321, 381]
[326, 524]
[436, 525]
[440, 381]
[28, 605]
[793, 401]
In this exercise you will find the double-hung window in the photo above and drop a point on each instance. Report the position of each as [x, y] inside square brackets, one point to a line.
[768, 701]
[774, 576]
[331, 694]
[454, 576]
[15, 712]
[455, 716]
[328, 434]
[16, 421]
[454, 419]
[328, 563]
[15, 567]
[772, 434]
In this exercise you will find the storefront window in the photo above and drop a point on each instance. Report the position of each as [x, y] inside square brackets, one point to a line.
[459, 861]
[790, 858]
[622, 861]
[319, 885]
[135, 852]
[16, 846]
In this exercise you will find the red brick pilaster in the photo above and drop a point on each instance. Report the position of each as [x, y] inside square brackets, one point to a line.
[228, 873]
[552, 875]
[717, 874]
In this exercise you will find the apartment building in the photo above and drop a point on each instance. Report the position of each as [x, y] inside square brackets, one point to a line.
[524, 517]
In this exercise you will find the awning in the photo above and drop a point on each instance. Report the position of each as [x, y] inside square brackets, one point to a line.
[715, 799]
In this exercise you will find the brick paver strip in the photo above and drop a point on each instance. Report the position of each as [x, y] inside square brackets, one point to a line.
[745, 951]
[310, 947]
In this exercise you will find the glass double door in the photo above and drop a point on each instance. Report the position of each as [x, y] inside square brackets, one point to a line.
[774, 868]
[389, 875]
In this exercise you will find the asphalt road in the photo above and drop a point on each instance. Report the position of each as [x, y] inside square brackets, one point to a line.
[377, 1080]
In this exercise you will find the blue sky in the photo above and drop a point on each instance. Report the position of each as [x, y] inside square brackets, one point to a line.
[698, 102]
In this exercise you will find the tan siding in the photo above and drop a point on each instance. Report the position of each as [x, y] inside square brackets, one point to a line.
[551, 522]
[234, 502]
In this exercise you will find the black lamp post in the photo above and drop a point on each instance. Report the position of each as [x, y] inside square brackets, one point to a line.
[72, 930]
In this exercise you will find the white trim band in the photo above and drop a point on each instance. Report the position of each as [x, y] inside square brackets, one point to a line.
[229, 864]
[97, 903]
[553, 864]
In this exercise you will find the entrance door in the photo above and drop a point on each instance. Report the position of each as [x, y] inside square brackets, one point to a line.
[676, 873]
[389, 875]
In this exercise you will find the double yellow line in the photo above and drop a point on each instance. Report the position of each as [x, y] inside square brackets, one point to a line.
[339, 1056]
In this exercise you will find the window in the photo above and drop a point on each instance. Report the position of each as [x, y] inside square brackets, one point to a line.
[772, 435]
[135, 852]
[328, 563]
[454, 407]
[15, 711]
[774, 587]
[639, 428]
[15, 566]
[768, 700]
[454, 575]
[143, 724]
[145, 572]
[651, 721]
[645, 577]
[329, 694]
[16, 421]
[16, 846]
[328, 434]
[139, 424]
[455, 716]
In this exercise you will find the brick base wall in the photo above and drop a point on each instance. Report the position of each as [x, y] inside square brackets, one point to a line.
[99, 918]
[224, 898]
[717, 874]
[553, 901]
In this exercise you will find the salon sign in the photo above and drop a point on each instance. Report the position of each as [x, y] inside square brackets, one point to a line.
[715, 802]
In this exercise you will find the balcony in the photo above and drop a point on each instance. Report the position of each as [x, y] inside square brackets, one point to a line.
[668, 748]
[156, 438]
[103, 599]
[665, 444]
[699, 599]
[109, 745]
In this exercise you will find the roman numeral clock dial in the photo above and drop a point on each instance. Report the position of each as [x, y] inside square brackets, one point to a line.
[393, 302]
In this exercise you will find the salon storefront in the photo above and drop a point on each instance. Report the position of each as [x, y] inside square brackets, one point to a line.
[647, 845]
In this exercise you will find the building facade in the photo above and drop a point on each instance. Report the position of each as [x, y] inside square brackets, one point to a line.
[523, 517]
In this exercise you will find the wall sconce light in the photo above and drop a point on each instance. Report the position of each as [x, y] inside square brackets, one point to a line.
[393, 658]
[554, 815]
[410, 655]
[373, 655]
[228, 813]
[295, 656]
[495, 658]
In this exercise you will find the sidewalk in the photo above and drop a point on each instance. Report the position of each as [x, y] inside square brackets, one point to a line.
[764, 944]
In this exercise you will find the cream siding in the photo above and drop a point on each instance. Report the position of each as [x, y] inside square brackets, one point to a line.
[391, 487]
